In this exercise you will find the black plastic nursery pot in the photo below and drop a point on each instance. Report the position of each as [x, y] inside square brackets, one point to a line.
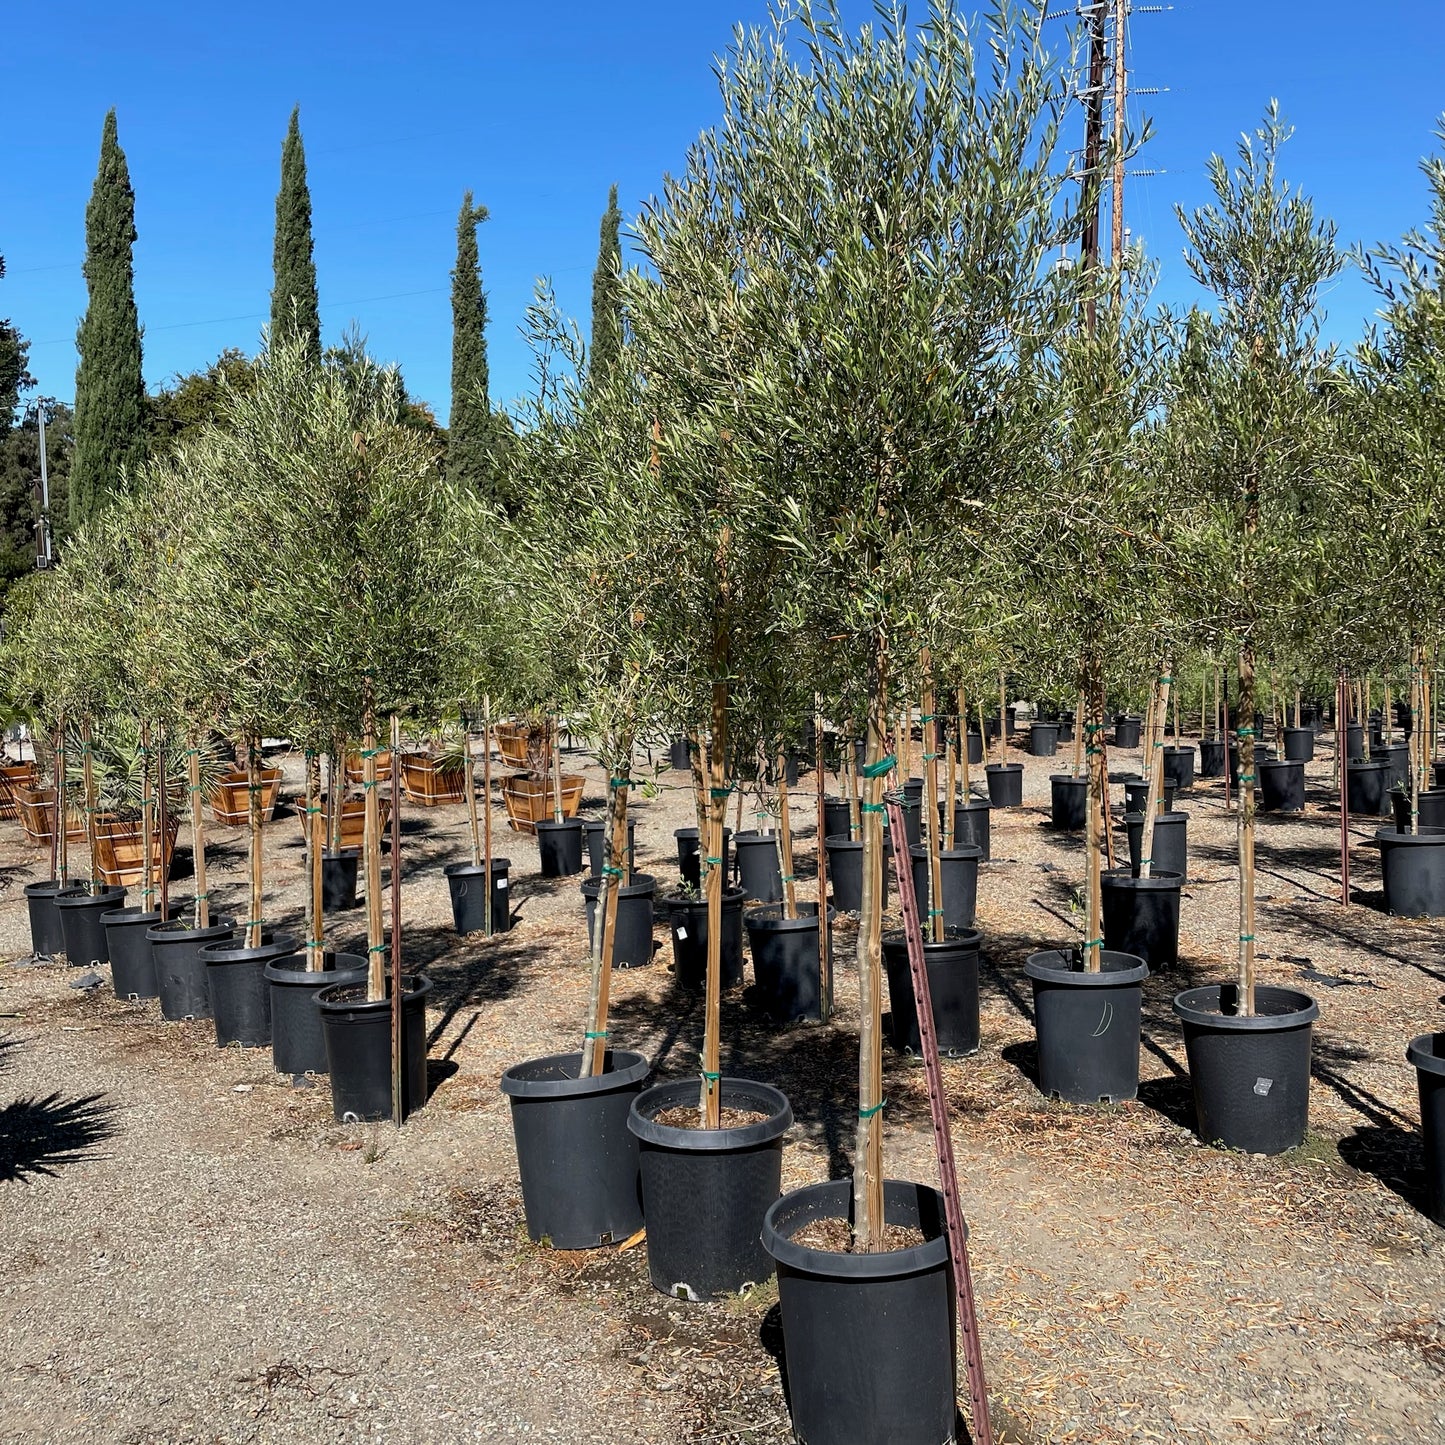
[1066, 729]
[689, 856]
[594, 834]
[759, 871]
[1354, 741]
[1365, 793]
[339, 872]
[1069, 801]
[837, 818]
[786, 962]
[181, 974]
[1043, 739]
[467, 884]
[974, 745]
[81, 927]
[952, 984]
[1396, 758]
[679, 755]
[1432, 808]
[632, 942]
[358, 1048]
[240, 995]
[1281, 786]
[559, 848]
[1299, 745]
[912, 806]
[1413, 866]
[1005, 784]
[869, 1340]
[1251, 1074]
[705, 1191]
[1437, 771]
[845, 873]
[1427, 1053]
[970, 823]
[297, 1044]
[47, 938]
[581, 1185]
[1136, 795]
[1127, 731]
[1170, 850]
[1087, 1024]
[687, 923]
[1179, 767]
[132, 965]
[1262, 754]
[1211, 757]
[1141, 915]
[958, 871]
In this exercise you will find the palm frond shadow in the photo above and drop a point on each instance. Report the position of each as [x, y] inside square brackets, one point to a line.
[40, 1136]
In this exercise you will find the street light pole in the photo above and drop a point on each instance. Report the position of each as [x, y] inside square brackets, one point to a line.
[43, 556]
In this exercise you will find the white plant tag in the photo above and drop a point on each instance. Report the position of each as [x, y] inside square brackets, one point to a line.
[501, 883]
[682, 935]
[1263, 1086]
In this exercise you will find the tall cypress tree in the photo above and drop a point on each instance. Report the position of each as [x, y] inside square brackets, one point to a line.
[607, 292]
[469, 431]
[295, 309]
[109, 389]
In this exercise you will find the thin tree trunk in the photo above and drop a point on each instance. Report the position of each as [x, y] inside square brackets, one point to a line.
[929, 821]
[315, 842]
[1097, 813]
[950, 788]
[147, 825]
[963, 745]
[604, 918]
[487, 814]
[556, 769]
[785, 840]
[825, 961]
[474, 822]
[59, 852]
[1155, 801]
[710, 1097]
[699, 785]
[253, 798]
[1078, 736]
[198, 829]
[375, 941]
[1245, 733]
[1002, 718]
[850, 773]
[398, 988]
[87, 769]
[165, 824]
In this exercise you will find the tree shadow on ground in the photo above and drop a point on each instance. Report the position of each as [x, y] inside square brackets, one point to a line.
[481, 970]
[39, 1136]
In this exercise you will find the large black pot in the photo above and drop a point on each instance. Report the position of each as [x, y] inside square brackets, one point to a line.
[679, 755]
[1427, 1053]
[1299, 745]
[759, 871]
[1396, 757]
[1043, 739]
[970, 824]
[81, 927]
[297, 1044]
[1413, 865]
[559, 848]
[1179, 767]
[1170, 850]
[1211, 757]
[912, 807]
[1432, 808]
[1069, 801]
[1437, 771]
[1141, 915]
[845, 874]
[952, 984]
[1365, 793]
[1136, 795]
[181, 975]
[575, 1154]
[240, 995]
[358, 1048]
[594, 833]
[338, 878]
[869, 1339]
[1281, 786]
[837, 818]
[1088, 1025]
[632, 941]
[132, 965]
[467, 885]
[687, 922]
[689, 856]
[1005, 784]
[1354, 741]
[958, 870]
[1262, 754]
[47, 938]
[786, 964]
[1251, 1074]
[974, 745]
[705, 1191]
[1127, 730]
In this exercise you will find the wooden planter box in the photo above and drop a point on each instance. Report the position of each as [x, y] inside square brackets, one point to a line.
[430, 782]
[231, 801]
[120, 851]
[519, 745]
[356, 769]
[37, 813]
[353, 819]
[16, 775]
[529, 799]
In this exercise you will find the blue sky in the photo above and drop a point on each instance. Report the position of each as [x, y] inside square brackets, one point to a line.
[538, 110]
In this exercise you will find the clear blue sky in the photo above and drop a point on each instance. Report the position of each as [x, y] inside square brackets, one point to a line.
[538, 109]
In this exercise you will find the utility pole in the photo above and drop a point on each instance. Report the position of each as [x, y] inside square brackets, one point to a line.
[1093, 149]
[1116, 210]
[43, 555]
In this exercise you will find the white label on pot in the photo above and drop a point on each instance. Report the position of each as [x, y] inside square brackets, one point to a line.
[682, 935]
[1263, 1086]
[501, 883]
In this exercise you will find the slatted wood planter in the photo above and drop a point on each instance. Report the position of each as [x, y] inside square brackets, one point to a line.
[356, 768]
[520, 745]
[529, 799]
[231, 800]
[353, 819]
[120, 851]
[37, 813]
[16, 775]
[431, 781]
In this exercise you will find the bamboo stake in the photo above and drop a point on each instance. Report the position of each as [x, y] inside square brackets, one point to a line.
[253, 800]
[1298, 708]
[315, 841]
[474, 821]
[1245, 732]
[710, 1096]
[1178, 734]
[785, 840]
[929, 820]
[850, 776]
[950, 786]
[1078, 736]
[604, 918]
[59, 852]
[825, 949]
[556, 736]
[1154, 802]
[1002, 718]
[198, 830]
[165, 822]
[487, 812]
[1203, 705]
[87, 769]
[375, 948]
[1097, 814]
[147, 827]
[1342, 713]
[398, 985]
[963, 747]
[1228, 771]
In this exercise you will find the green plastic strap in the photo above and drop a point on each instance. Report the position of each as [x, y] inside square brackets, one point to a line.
[710, 1077]
[1246, 938]
[1244, 732]
[618, 784]
[372, 784]
[931, 757]
[789, 877]
[876, 1108]
[595, 1034]
[1094, 943]
[713, 862]
[377, 948]
[310, 811]
[935, 913]
[871, 808]
[254, 923]
[193, 752]
[882, 766]
[201, 897]
[933, 717]
[1095, 727]
[374, 752]
[611, 872]
[1247, 778]
[722, 792]
[315, 943]
[1166, 679]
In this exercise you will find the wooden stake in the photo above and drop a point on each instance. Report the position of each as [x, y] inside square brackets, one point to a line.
[474, 821]
[487, 812]
[253, 812]
[710, 1096]
[315, 841]
[1002, 718]
[1154, 803]
[850, 775]
[785, 839]
[1097, 813]
[963, 746]
[165, 824]
[198, 829]
[1078, 736]
[398, 985]
[825, 944]
[375, 947]
[147, 824]
[1342, 714]
[87, 771]
[604, 918]
[1245, 733]
[59, 851]
[929, 821]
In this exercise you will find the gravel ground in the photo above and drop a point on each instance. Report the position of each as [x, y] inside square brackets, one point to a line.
[194, 1251]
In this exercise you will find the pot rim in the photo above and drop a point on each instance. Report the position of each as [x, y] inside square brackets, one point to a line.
[640, 885]
[754, 837]
[1159, 882]
[768, 918]
[1003, 767]
[1427, 837]
[1040, 966]
[553, 823]
[81, 897]
[49, 887]
[707, 1141]
[630, 1068]
[175, 930]
[891, 1264]
[414, 985]
[679, 903]
[1192, 1005]
[227, 951]
[330, 855]
[964, 940]
[692, 832]
[290, 971]
[468, 870]
[963, 851]
[1082, 780]
[134, 913]
[1427, 1053]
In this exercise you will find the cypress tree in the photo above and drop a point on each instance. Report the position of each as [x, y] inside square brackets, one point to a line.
[109, 389]
[607, 292]
[295, 309]
[470, 425]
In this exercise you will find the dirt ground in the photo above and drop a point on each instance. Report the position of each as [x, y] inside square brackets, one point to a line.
[192, 1250]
